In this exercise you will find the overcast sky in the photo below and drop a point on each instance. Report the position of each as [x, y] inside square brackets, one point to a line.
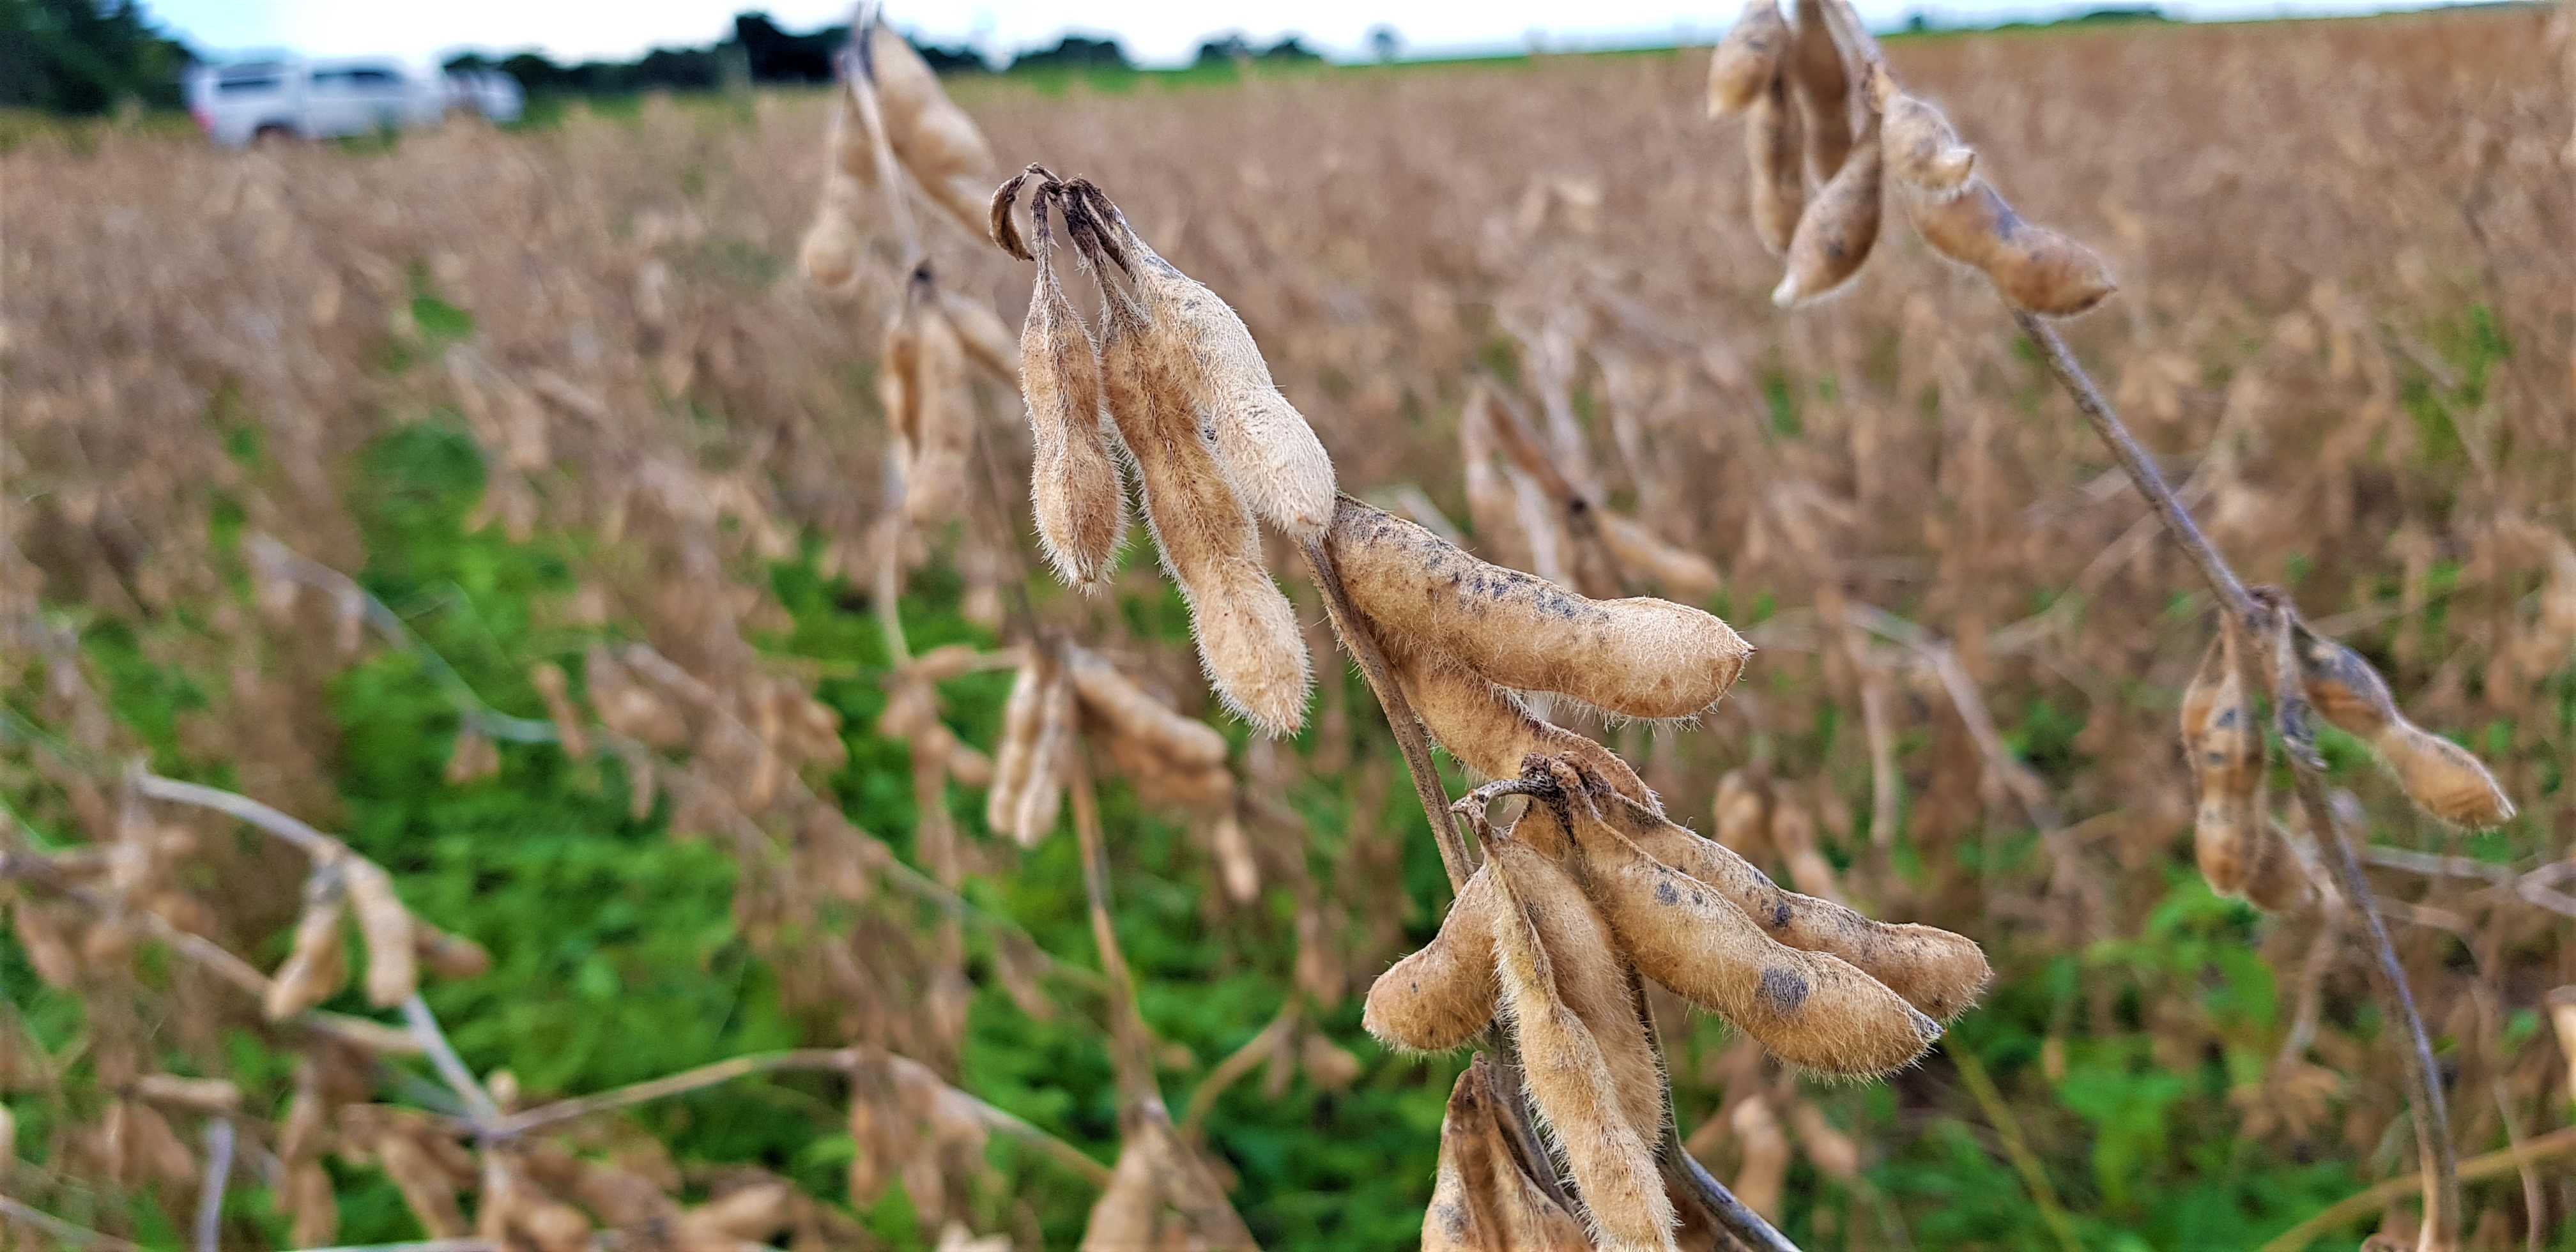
[1154, 31]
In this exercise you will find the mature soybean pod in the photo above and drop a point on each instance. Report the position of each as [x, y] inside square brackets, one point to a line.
[2442, 777]
[1775, 187]
[2034, 267]
[1267, 450]
[1080, 509]
[1115, 698]
[1936, 971]
[1438, 998]
[1573, 1084]
[317, 964]
[1489, 730]
[933, 138]
[1837, 232]
[1747, 59]
[1635, 657]
[934, 484]
[1922, 151]
[1017, 749]
[1811, 1009]
[393, 963]
[1592, 978]
[2229, 826]
[1247, 632]
[1816, 70]
[1482, 1200]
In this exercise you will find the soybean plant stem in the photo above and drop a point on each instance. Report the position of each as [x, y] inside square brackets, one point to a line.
[1356, 635]
[2254, 620]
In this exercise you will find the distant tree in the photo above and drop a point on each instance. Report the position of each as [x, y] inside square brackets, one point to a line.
[779, 57]
[83, 56]
[1076, 52]
[1290, 48]
[1225, 49]
[1384, 43]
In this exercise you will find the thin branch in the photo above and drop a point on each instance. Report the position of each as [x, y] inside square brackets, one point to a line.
[1134, 1056]
[321, 847]
[451, 1068]
[417, 1245]
[1241, 1061]
[681, 1083]
[2257, 620]
[2475, 1169]
[859, 72]
[2008, 1129]
[210, 1196]
[60, 1229]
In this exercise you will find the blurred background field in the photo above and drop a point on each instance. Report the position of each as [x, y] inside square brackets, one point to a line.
[557, 388]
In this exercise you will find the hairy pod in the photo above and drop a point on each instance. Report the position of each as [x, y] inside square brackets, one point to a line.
[2279, 880]
[1489, 730]
[446, 955]
[1938, 972]
[1839, 228]
[1483, 1198]
[1042, 794]
[1635, 657]
[317, 964]
[393, 969]
[1574, 1085]
[1775, 186]
[2443, 778]
[1811, 1009]
[1018, 747]
[2034, 267]
[1922, 151]
[1117, 700]
[1677, 570]
[1080, 508]
[1267, 450]
[1441, 996]
[1593, 978]
[899, 384]
[1247, 633]
[988, 342]
[928, 132]
[1748, 58]
[828, 255]
[934, 484]
[1822, 82]
[2230, 828]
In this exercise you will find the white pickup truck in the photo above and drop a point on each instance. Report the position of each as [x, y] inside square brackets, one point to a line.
[293, 97]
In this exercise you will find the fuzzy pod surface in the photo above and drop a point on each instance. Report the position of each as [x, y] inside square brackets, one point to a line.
[2035, 268]
[1747, 58]
[1636, 657]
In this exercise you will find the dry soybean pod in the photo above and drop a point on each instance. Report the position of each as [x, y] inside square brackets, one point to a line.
[1635, 657]
[1488, 729]
[393, 964]
[1571, 1083]
[2443, 778]
[935, 483]
[1482, 1199]
[990, 343]
[1042, 792]
[1592, 976]
[1921, 149]
[1747, 59]
[1822, 83]
[1267, 450]
[316, 965]
[1439, 997]
[2034, 267]
[1074, 491]
[1839, 228]
[1775, 186]
[1813, 1010]
[1247, 632]
[1936, 971]
[2229, 825]
[1018, 747]
[929, 133]
[1115, 698]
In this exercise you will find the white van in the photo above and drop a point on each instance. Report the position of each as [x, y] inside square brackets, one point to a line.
[292, 97]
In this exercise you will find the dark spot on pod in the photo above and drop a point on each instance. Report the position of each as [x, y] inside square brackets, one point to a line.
[1780, 915]
[1784, 991]
[1924, 1027]
[1453, 1220]
[1664, 893]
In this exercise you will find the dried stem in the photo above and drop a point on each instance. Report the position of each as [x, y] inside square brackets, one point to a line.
[2256, 620]
[60, 1229]
[1679, 1167]
[1241, 1061]
[451, 1068]
[1128, 1037]
[210, 1196]
[859, 69]
[2008, 1129]
[2475, 1169]
[1409, 736]
[840, 1060]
